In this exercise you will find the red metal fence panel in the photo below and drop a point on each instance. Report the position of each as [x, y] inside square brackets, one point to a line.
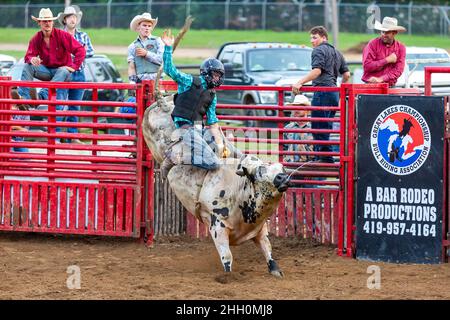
[53, 185]
[67, 208]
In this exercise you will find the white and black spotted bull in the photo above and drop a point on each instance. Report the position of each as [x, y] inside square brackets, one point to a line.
[234, 201]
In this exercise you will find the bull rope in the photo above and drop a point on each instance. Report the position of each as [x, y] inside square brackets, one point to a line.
[298, 168]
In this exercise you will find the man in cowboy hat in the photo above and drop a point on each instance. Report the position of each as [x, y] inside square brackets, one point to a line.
[299, 100]
[70, 19]
[384, 57]
[49, 55]
[146, 52]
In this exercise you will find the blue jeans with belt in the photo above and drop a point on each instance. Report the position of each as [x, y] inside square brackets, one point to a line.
[323, 99]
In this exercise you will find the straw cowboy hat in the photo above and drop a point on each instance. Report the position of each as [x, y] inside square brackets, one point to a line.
[44, 15]
[142, 17]
[388, 24]
[299, 100]
[68, 11]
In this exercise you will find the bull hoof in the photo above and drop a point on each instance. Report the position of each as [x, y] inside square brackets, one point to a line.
[277, 273]
[274, 269]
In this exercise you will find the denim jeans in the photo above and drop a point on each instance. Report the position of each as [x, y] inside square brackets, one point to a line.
[19, 149]
[323, 99]
[74, 94]
[196, 149]
[69, 94]
[43, 73]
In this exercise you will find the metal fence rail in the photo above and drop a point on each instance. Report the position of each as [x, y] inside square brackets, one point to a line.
[94, 188]
[243, 15]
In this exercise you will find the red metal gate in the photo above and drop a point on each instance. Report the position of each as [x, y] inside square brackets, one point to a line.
[94, 188]
[446, 215]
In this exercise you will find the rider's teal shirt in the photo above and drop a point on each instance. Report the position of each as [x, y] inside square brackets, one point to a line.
[184, 82]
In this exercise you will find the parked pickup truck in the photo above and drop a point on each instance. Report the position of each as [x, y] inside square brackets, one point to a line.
[6, 62]
[261, 64]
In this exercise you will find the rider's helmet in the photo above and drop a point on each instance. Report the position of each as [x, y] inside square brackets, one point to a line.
[207, 68]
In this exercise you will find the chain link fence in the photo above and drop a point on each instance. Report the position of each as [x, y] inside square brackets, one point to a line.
[283, 16]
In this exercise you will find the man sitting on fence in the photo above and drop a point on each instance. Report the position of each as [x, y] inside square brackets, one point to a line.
[70, 19]
[49, 55]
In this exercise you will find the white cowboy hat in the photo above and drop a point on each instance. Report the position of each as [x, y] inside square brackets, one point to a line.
[142, 17]
[299, 100]
[44, 14]
[68, 11]
[388, 24]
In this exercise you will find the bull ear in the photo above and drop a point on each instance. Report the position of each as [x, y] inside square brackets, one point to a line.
[249, 175]
[243, 171]
[247, 167]
[240, 170]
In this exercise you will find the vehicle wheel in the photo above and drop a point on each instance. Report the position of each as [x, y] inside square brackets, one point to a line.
[250, 123]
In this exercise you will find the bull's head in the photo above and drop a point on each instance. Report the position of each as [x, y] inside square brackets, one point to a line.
[258, 171]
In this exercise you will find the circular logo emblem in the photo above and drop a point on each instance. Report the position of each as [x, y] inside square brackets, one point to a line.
[400, 140]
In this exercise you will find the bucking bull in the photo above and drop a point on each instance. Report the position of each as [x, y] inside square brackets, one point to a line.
[234, 201]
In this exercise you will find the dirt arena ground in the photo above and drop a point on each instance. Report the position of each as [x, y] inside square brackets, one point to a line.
[35, 267]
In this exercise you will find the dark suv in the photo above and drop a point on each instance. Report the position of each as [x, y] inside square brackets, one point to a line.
[100, 68]
[260, 63]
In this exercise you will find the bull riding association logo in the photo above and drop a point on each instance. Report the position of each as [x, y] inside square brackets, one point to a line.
[400, 140]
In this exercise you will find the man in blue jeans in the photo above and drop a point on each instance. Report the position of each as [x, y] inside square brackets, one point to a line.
[70, 19]
[52, 55]
[327, 64]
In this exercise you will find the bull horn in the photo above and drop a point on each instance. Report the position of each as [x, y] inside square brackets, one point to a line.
[158, 94]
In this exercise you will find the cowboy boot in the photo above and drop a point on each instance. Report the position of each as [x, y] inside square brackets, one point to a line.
[165, 167]
[167, 164]
[15, 95]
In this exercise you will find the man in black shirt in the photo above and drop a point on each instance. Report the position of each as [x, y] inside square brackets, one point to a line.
[327, 64]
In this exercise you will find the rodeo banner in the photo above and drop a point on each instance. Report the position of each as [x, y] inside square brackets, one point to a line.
[400, 178]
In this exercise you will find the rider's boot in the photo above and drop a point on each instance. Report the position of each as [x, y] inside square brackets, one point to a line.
[166, 165]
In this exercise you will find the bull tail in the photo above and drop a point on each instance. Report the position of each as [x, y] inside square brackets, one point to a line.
[198, 208]
[186, 27]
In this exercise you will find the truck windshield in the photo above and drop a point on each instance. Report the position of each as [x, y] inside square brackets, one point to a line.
[279, 59]
[421, 65]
